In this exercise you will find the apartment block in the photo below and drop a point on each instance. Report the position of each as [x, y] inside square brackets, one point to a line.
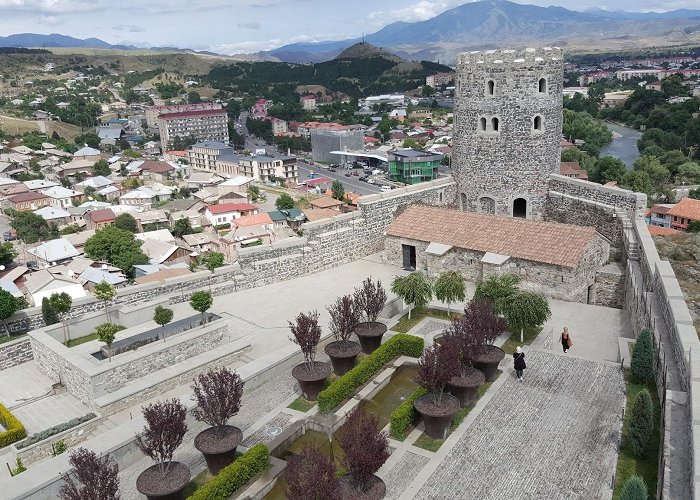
[204, 125]
[153, 112]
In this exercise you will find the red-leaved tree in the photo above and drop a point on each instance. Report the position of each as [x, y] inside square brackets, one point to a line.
[370, 298]
[163, 433]
[218, 395]
[484, 326]
[436, 367]
[366, 448]
[310, 475]
[306, 334]
[457, 337]
[345, 316]
[98, 477]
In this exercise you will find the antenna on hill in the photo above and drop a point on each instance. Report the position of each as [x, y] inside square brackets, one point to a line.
[363, 37]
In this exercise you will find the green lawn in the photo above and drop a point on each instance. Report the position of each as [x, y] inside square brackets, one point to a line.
[529, 335]
[81, 340]
[302, 404]
[427, 443]
[405, 324]
[646, 466]
[5, 338]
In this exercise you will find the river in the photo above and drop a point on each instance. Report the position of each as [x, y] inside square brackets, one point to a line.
[623, 145]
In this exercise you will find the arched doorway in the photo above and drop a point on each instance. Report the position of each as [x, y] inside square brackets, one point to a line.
[487, 205]
[520, 208]
[463, 200]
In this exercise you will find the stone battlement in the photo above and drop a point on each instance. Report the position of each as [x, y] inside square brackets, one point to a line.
[542, 56]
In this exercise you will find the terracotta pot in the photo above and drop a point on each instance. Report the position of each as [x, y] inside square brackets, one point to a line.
[370, 334]
[218, 445]
[311, 381]
[343, 354]
[350, 490]
[466, 388]
[156, 487]
[487, 361]
[437, 419]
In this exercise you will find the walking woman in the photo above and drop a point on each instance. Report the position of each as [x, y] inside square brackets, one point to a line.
[565, 339]
[519, 362]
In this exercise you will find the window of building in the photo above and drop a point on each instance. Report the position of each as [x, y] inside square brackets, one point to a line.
[542, 86]
[490, 87]
[537, 123]
[494, 124]
[482, 124]
[520, 208]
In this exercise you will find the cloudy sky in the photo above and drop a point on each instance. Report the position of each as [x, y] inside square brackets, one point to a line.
[244, 25]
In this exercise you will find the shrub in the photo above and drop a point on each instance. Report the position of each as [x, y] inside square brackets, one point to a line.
[56, 429]
[218, 395]
[343, 387]
[90, 477]
[311, 475]
[19, 467]
[14, 428]
[58, 448]
[234, 476]
[404, 415]
[366, 448]
[306, 334]
[436, 367]
[641, 424]
[165, 428]
[634, 489]
[642, 364]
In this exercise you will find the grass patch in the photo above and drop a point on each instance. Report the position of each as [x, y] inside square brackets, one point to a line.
[404, 325]
[427, 443]
[197, 482]
[9, 338]
[646, 466]
[302, 404]
[81, 340]
[529, 335]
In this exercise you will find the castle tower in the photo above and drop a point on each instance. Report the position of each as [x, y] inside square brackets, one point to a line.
[508, 119]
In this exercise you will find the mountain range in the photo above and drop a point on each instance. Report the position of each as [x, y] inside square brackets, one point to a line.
[478, 25]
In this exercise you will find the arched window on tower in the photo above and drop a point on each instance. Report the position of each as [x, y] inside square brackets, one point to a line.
[520, 208]
[494, 124]
[542, 86]
[490, 87]
[537, 124]
[482, 124]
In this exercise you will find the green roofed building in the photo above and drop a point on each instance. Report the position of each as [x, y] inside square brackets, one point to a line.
[411, 167]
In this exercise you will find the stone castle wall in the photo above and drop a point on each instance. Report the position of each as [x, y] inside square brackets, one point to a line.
[501, 89]
[15, 353]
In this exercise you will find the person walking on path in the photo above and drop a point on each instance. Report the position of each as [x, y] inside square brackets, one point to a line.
[519, 362]
[565, 339]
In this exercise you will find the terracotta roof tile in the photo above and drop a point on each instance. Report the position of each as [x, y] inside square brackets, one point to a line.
[688, 208]
[537, 241]
[661, 231]
[325, 202]
[314, 214]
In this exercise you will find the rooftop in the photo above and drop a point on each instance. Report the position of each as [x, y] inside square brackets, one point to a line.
[537, 241]
[231, 207]
[189, 114]
[102, 215]
[688, 208]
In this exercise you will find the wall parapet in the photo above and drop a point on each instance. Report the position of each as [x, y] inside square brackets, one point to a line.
[634, 203]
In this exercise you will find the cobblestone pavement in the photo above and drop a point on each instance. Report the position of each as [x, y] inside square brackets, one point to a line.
[553, 436]
[402, 472]
[429, 327]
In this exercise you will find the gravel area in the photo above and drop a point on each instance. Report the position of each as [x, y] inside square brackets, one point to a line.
[402, 473]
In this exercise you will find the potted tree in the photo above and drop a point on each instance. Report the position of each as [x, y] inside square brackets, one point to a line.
[370, 299]
[218, 395]
[344, 318]
[163, 433]
[436, 367]
[484, 328]
[366, 449]
[98, 477]
[311, 475]
[465, 385]
[310, 374]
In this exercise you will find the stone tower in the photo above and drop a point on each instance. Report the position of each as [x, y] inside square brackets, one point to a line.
[508, 119]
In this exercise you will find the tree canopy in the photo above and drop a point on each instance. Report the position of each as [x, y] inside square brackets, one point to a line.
[31, 227]
[118, 247]
[127, 222]
[284, 202]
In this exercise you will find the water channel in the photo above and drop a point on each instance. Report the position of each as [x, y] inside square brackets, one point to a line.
[623, 145]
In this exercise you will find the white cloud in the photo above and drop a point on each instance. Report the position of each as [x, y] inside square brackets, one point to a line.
[259, 45]
[419, 11]
[51, 6]
[131, 28]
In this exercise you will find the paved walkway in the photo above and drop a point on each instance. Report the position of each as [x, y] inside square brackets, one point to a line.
[553, 436]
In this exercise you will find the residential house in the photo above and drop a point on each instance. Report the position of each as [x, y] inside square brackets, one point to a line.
[97, 182]
[8, 189]
[684, 212]
[29, 200]
[163, 252]
[279, 127]
[193, 216]
[150, 273]
[88, 154]
[226, 212]
[92, 276]
[201, 242]
[40, 184]
[54, 251]
[74, 167]
[62, 197]
[250, 230]
[158, 234]
[292, 217]
[146, 195]
[159, 170]
[56, 215]
[99, 219]
[308, 102]
[398, 114]
[43, 283]
[326, 202]
[573, 169]
[314, 214]
[659, 215]
[149, 218]
[267, 168]
[203, 179]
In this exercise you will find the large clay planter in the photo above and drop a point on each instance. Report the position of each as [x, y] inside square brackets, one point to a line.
[218, 445]
[466, 387]
[343, 354]
[311, 381]
[156, 487]
[487, 361]
[437, 419]
[349, 490]
[370, 334]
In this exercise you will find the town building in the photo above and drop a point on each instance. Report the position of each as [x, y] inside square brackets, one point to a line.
[411, 167]
[279, 127]
[203, 125]
[225, 213]
[439, 79]
[325, 141]
[204, 155]
[308, 102]
[29, 200]
[573, 169]
[99, 219]
[267, 168]
[683, 213]
[153, 112]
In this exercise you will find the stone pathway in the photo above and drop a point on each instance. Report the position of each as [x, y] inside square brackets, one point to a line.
[553, 436]
[408, 466]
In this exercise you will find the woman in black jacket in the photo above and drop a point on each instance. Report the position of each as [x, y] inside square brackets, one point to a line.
[519, 362]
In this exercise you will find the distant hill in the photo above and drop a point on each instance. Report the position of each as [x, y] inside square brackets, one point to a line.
[57, 40]
[364, 50]
[496, 23]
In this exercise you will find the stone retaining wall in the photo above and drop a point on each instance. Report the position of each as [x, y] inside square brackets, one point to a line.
[609, 290]
[15, 353]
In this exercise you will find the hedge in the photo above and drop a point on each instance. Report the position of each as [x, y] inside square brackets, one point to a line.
[642, 364]
[15, 430]
[344, 386]
[404, 415]
[634, 489]
[641, 423]
[52, 431]
[234, 476]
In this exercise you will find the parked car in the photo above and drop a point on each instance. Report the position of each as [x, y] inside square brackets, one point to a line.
[371, 181]
[356, 173]
[385, 189]
[348, 174]
[376, 171]
[32, 265]
[10, 235]
[363, 178]
[332, 169]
